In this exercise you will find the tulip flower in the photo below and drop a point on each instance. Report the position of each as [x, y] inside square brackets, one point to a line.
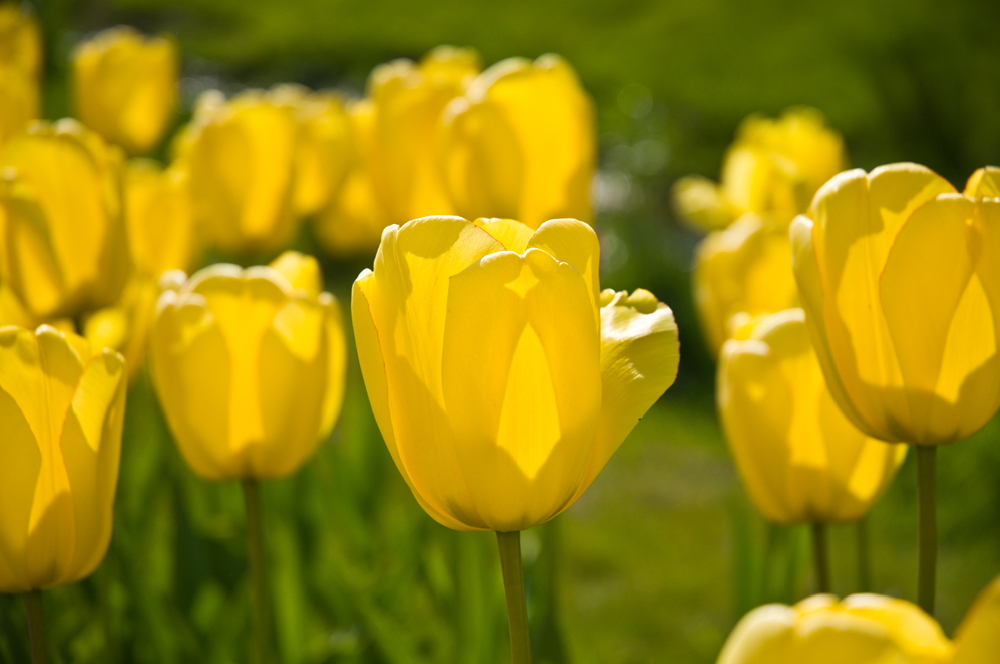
[125, 87]
[862, 629]
[62, 403]
[20, 68]
[249, 366]
[744, 271]
[897, 275]
[501, 377]
[158, 218]
[521, 143]
[240, 157]
[799, 458]
[395, 175]
[62, 232]
[773, 168]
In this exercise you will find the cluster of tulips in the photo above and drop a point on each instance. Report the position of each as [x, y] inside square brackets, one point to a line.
[501, 376]
[854, 314]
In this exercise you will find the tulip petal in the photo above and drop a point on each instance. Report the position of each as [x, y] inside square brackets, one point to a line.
[764, 636]
[91, 445]
[985, 182]
[573, 242]
[520, 379]
[977, 639]
[928, 282]
[513, 235]
[918, 635]
[639, 357]
[408, 300]
[373, 371]
[336, 361]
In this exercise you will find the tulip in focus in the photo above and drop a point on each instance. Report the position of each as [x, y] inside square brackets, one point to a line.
[521, 143]
[61, 403]
[125, 87]
[20, 70]
[249, 366]
[396, 175]
[501, 378]
[741, 272]
[773, 168]
[799, 458]
[62, 232]
[240, 157]
[899, 276]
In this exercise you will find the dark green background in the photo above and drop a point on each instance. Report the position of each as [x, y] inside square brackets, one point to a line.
[663, 554]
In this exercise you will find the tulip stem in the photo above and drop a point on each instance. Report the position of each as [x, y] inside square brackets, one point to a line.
[255, 537]
[517, 605]
[36, 626]
[864, 556]
[927, 559]
[820, 559]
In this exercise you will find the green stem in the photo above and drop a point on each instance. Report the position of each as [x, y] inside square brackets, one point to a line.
[36, 626]
[820, 559]
[927, 559]
[258, 569]
[517, 606]
[864, 556]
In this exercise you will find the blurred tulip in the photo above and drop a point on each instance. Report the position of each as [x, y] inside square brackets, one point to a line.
[325, 146]
[240, 157]
[63, 236]
[800, 459]
[158, 218]
[249, 366]
[125, 326]
[977, 639]
[741, 272]
[501, 379]
[900, 280]
[62, 404]
[125, 87]
[862, 629]
[521, 143]
[395, 175]
[20, 70]
[773, 168]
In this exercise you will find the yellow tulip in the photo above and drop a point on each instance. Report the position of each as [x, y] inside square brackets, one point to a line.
[249, 366]
[800, 459]
[977, 639]
[501, 378]
[773, 168]
[62, 232]
[862, 629]
[521, 143]
[158, 218]
[20, 70]
[325, 146]
[984, 183]
[352, 221]
[125, 86]
[899, 278]
[741, 272]
[61, 404]
[240, 157]
[125, 326]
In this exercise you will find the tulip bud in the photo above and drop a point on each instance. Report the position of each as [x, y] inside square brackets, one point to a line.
[800, 459]
[249, 367]
[899, 278]
[521, 143]
[501, 379]
[742, 271]
[63, 237]
[20, 69]
[158, 218]
[240, 157]
[773, 168]
[62, 404]
[863, 629]
[125, 87]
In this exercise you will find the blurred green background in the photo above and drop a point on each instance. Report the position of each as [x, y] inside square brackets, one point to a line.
[664, 553]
